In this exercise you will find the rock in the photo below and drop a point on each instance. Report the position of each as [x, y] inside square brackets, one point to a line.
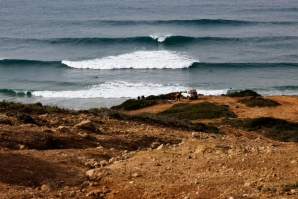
[91, 163]
[104, 163]
[105, 189]
[136, 175]
[96, 173]
[160, 147]
[83, 134]
[46, 188]
[212, 148]
[154, 145]
[248, 184]
[293, 191]
[22, 147]
[87, 125]
[194, 134]
[112, 160]
[5, 120]
[96, 192]
[293, 162]
[63, 129]
[46, 130]
[43, 116]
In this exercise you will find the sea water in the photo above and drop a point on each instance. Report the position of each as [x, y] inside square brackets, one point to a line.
[85, 54]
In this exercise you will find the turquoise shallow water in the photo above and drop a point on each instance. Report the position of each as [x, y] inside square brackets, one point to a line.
[88, 54]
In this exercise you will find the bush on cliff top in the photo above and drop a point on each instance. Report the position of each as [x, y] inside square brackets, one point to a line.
[244, 93]
[133, 104]
[277, 129]
[259, 102]
[203, 110]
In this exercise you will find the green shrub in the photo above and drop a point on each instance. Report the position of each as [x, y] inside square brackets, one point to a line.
[277, 129]
[133, 104]
[160, 97]
[26, 118]
[5, 105]
[156, 119]
[244, 93]
[203, 110]
[259, 102]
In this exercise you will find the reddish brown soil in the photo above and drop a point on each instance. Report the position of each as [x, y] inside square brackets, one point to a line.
[50, 159]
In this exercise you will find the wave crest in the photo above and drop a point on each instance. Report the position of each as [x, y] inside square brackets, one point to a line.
[137, 60]
[122, 89]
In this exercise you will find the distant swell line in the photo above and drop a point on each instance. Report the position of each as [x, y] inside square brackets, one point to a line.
[243, 65]
[22, 62]
[151, 39]
[192, 22]
[37, 63]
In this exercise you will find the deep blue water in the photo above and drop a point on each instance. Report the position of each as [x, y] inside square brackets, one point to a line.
[83, 54]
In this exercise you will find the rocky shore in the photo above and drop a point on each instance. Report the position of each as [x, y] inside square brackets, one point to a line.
[48, 152]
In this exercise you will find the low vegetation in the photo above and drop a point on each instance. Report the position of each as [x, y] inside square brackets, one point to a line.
[203, 110]
[259, 102]
[133, 104]
[245, 93]
[30, 108]
[156, 119]
[277, 129]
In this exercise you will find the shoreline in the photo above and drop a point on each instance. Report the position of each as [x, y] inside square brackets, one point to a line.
[84, 104]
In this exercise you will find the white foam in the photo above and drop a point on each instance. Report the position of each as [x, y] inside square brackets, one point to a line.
[160, 38]
[122, 89]
[213, 92]
[137, 60]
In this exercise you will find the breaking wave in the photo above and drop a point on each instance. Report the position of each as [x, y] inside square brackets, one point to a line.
[137, 60]
[122, 89]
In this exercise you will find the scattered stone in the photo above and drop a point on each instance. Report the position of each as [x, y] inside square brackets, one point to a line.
[103, 163]
[46, 130]
[212, 148]
[22, 147]
[97, 174]
[83, 134]
[87, 125]
[160, 147]
[105, 189]
[91, 163]
[136, 175]
[43, 116]
[293, 162]
[112, 160]
[154, 145]
[293, 191]
[63, 129]
[46, 188]
[194, 135]
[96, 192]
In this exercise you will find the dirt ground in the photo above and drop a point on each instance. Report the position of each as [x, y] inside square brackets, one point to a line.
[67, 155]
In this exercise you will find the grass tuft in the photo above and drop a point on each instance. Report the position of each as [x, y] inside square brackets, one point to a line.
[259, 102]
[244, 93]
[277, 129]
[203, 110]
[133, 104]
[156, 119]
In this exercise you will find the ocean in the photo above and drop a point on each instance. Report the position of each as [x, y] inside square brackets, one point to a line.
[86, 54]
